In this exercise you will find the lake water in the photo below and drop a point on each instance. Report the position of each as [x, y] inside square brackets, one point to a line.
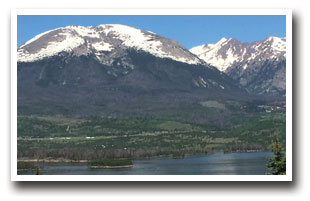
[253, 163]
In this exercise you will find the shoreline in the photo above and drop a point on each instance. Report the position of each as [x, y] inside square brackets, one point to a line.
[152, 157]
[52, 160]
[110, 167]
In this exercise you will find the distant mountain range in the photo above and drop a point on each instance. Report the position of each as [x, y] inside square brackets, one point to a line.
[117, 70]
[258, 66]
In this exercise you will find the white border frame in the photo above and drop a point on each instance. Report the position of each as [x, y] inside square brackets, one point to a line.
[146, 11]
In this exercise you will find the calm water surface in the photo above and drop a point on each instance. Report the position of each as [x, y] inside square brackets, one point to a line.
[214, 164]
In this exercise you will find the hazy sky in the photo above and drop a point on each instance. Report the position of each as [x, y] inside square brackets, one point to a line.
[190, 30]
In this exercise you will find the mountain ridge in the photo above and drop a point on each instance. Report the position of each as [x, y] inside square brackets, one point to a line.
[216, 54]
[259, 66]
[103, 38]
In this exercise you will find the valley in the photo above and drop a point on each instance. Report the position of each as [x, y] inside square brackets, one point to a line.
[63, 138]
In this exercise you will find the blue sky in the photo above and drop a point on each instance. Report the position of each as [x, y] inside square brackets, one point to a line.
[190, 30]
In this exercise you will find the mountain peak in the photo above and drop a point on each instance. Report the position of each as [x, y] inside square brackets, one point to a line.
[80, 40]
[276, 43]
[222, 40]
[249, 62]
[226, 52]
[272, 38]
[233, 40]
[220, 54]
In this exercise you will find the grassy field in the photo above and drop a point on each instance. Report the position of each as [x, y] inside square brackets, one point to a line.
[213, 104]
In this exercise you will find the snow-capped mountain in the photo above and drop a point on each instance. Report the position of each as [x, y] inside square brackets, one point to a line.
[259, 66]
[111, 69]
[111, 38]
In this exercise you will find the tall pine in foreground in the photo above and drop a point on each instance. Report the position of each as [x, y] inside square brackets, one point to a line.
[277, 164]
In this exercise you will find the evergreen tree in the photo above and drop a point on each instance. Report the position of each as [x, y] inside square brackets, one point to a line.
[277, 164]
[37, 170]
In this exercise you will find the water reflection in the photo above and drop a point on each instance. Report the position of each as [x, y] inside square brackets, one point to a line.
[215, 164]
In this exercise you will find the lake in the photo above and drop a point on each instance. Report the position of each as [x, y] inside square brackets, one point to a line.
[253, 163]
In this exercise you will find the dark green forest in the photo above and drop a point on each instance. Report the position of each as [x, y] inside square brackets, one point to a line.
[59, 137]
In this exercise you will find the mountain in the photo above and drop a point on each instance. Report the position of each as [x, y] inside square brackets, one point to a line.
[107, 38]
[259, 66]
[117, 70]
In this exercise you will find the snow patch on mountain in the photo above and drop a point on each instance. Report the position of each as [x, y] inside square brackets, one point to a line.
[108, 37]
[66, 42]
[133, 37]
[228, 52]
[85, 31]
[211, 54]
[146, 41]
[102, 46]
[277, 44]
[35, 38]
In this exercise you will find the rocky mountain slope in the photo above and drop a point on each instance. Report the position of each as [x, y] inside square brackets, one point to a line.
[259, 66]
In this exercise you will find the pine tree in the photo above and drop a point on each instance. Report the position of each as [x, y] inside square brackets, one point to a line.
[277, 164]
[37, 170]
